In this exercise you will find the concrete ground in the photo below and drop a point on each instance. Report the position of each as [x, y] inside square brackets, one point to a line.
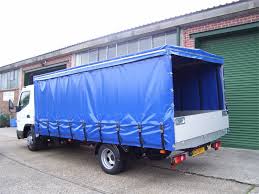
[70, 170]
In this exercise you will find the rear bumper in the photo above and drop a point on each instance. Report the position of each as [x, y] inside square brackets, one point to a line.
[200, 140]
[196, 128]
[19, 134]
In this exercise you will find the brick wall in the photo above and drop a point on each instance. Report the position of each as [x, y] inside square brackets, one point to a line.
[49, 62]
[4, 105]
[189, 42]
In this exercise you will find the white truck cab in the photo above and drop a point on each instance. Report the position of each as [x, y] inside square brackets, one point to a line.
[25, 111]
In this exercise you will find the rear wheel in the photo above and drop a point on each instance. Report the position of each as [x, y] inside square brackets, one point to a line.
[111, 159]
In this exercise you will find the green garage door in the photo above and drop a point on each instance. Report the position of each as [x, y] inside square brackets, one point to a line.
[241, 53]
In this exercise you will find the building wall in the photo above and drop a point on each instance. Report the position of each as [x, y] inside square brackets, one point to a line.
[190, 42]
[46, 64]
[4, 104]
[186, 40]
[236, 46]
[119, 47]
[50, 62]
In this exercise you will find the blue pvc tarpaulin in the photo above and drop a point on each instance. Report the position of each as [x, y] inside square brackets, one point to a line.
[127, 100]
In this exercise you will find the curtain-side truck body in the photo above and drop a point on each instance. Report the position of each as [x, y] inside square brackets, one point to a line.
[164, 102]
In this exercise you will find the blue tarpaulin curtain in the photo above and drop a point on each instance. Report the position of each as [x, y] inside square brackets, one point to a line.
[134, 94]
[198, 87]
[128, 95]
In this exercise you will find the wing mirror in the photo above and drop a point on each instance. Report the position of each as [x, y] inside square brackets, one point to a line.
[11, 106]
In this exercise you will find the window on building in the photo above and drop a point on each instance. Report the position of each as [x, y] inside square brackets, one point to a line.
[102, 53]
[4, 81]
[133, 46]
[9, 80]
[158, 40]
[171, 38]
[112, 51]
[93, 55]
[145, 43]
[85, 58]
[122, 49]
[82, 58]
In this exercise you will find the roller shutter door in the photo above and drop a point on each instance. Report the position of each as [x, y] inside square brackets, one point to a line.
[241, 53]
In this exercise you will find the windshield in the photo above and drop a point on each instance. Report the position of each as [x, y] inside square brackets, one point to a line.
[24, 100]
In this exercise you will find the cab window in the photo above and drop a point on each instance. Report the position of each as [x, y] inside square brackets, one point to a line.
[24, 100]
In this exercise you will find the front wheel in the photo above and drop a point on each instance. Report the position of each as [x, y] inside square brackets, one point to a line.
[34, 143]
[111, 159]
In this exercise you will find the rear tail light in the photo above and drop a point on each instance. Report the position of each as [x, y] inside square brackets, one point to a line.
[216, 145]
[178, 159]
[162, 151]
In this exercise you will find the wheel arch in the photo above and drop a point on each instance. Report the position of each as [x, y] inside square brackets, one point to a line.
[120, 148]
[26, 129]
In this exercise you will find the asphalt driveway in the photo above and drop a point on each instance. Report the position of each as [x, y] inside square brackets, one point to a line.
[71, 170]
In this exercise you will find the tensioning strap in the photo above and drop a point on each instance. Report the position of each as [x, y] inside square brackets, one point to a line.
[118, 133]
[48, 127]
[38, 127]
[84, 129]
[99, 125]
[70, 128]
[162, 131]
[58, 129]
[140, 135]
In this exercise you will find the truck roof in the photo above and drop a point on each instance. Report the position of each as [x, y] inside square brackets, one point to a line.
[164, 50]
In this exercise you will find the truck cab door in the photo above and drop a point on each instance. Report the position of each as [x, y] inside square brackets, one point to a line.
[24, 114]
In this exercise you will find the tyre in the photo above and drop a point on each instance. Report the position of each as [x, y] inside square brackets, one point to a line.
[32, 143]
[111, 159]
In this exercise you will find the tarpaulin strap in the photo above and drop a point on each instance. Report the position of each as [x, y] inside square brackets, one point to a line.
[48, 127]
[84, 129]
[38, 127]
[99, 125]
[70, 128]
[58, 129]
[140, 134]
[118, 133]
[33, 133]
[162, 131]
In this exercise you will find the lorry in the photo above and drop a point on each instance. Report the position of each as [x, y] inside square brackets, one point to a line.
[166, 102]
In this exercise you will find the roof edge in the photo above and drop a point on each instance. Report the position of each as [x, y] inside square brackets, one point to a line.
[182, 20]
[150, 53]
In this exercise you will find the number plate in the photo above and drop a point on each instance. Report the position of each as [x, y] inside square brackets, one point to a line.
[198, 151]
